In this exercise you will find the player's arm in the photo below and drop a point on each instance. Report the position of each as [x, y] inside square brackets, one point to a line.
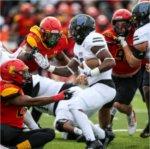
[106, 58]
[62, 58]
[24, 100]
[131, 59]
[140, 43]
[67, 70]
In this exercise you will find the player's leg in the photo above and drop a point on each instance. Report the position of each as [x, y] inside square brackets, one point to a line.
[64, 122]
[35, 138]
[89, 104]
[146, 88]
[15, 137]
[126, 88]
[29, 121]
[105, 120]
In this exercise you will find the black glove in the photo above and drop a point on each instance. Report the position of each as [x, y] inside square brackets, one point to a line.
[68, 94]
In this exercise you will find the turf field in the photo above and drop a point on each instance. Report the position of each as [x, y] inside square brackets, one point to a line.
[122, 140]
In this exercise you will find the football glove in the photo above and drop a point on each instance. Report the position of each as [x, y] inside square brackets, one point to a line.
[42, 61]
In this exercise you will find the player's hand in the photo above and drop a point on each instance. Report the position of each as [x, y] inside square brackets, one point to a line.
[81, 80]
[122, 41]
[41, 60]
[63, 95]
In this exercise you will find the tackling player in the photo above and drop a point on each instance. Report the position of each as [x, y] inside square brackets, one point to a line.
[141, 42]
[49, 40]
[15, 76]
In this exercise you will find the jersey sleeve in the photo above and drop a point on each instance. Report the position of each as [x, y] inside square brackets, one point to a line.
[8, 91]
[95, 39]
[140, 37]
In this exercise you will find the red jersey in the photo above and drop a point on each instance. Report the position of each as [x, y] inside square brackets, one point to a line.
[10, 114]
[34, 39]
[24, 24]
[122, 67]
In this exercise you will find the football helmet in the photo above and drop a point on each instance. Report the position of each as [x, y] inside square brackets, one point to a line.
[141, 14]
[15, 71]
[50, 28]
[80, 26]
[121, 22]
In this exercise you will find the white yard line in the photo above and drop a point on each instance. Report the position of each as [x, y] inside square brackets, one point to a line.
[124, 130]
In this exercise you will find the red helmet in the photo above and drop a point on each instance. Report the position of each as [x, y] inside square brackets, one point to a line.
[51, 30]
[121, 21]
[15, 71]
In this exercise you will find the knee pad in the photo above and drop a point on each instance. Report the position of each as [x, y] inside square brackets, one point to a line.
[59, 124]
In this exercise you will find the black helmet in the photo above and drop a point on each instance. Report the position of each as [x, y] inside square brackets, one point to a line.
[141, 14]
[80, 26]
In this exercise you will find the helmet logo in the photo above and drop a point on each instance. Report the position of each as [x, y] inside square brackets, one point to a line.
[12, 70]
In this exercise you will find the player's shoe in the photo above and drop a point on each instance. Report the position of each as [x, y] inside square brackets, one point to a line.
[132, 123]
[109, 136]
[146, 132]
[81, 138]
[94, 145]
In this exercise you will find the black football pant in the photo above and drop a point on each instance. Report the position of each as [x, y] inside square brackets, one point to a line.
[11, 136]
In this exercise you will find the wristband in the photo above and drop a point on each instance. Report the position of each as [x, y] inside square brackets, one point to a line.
[51, 68]
[95, 71]
[58, 97]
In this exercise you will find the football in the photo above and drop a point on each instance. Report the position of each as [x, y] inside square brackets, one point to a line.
[92, 63]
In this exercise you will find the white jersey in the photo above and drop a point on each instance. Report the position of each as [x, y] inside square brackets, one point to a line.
[141, 35]
[48, 87]
[83, 52]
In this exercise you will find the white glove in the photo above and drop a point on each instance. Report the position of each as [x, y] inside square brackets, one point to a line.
[88, 71]
[41, 60]
[122, 41]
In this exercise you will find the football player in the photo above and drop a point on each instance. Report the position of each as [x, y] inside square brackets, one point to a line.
[126, 74]
[15, 76]
[141, 42]
[88, 44]
[48, 39]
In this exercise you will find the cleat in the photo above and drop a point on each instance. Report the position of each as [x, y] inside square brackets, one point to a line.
[81, 138]
[132, 124]
[146, 132]
[108, 138]
[94, 145]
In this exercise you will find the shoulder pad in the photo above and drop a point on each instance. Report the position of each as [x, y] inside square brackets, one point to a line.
[9, 91]
[35, 29]
[31, 37]
[31, 41]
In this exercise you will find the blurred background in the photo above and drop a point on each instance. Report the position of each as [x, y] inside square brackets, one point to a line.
[17, 16]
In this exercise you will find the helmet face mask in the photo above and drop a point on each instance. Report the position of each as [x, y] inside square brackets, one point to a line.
[16, 72]
[80, 26]
[122, 28]
[121, 22]
[50, 39]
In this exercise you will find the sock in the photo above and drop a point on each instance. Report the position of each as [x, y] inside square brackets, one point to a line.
[24, 145]
[83, 122]
[77, 131]
[99, 132]
[29, 121]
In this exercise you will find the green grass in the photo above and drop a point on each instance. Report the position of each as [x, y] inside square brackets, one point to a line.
[122, 140]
